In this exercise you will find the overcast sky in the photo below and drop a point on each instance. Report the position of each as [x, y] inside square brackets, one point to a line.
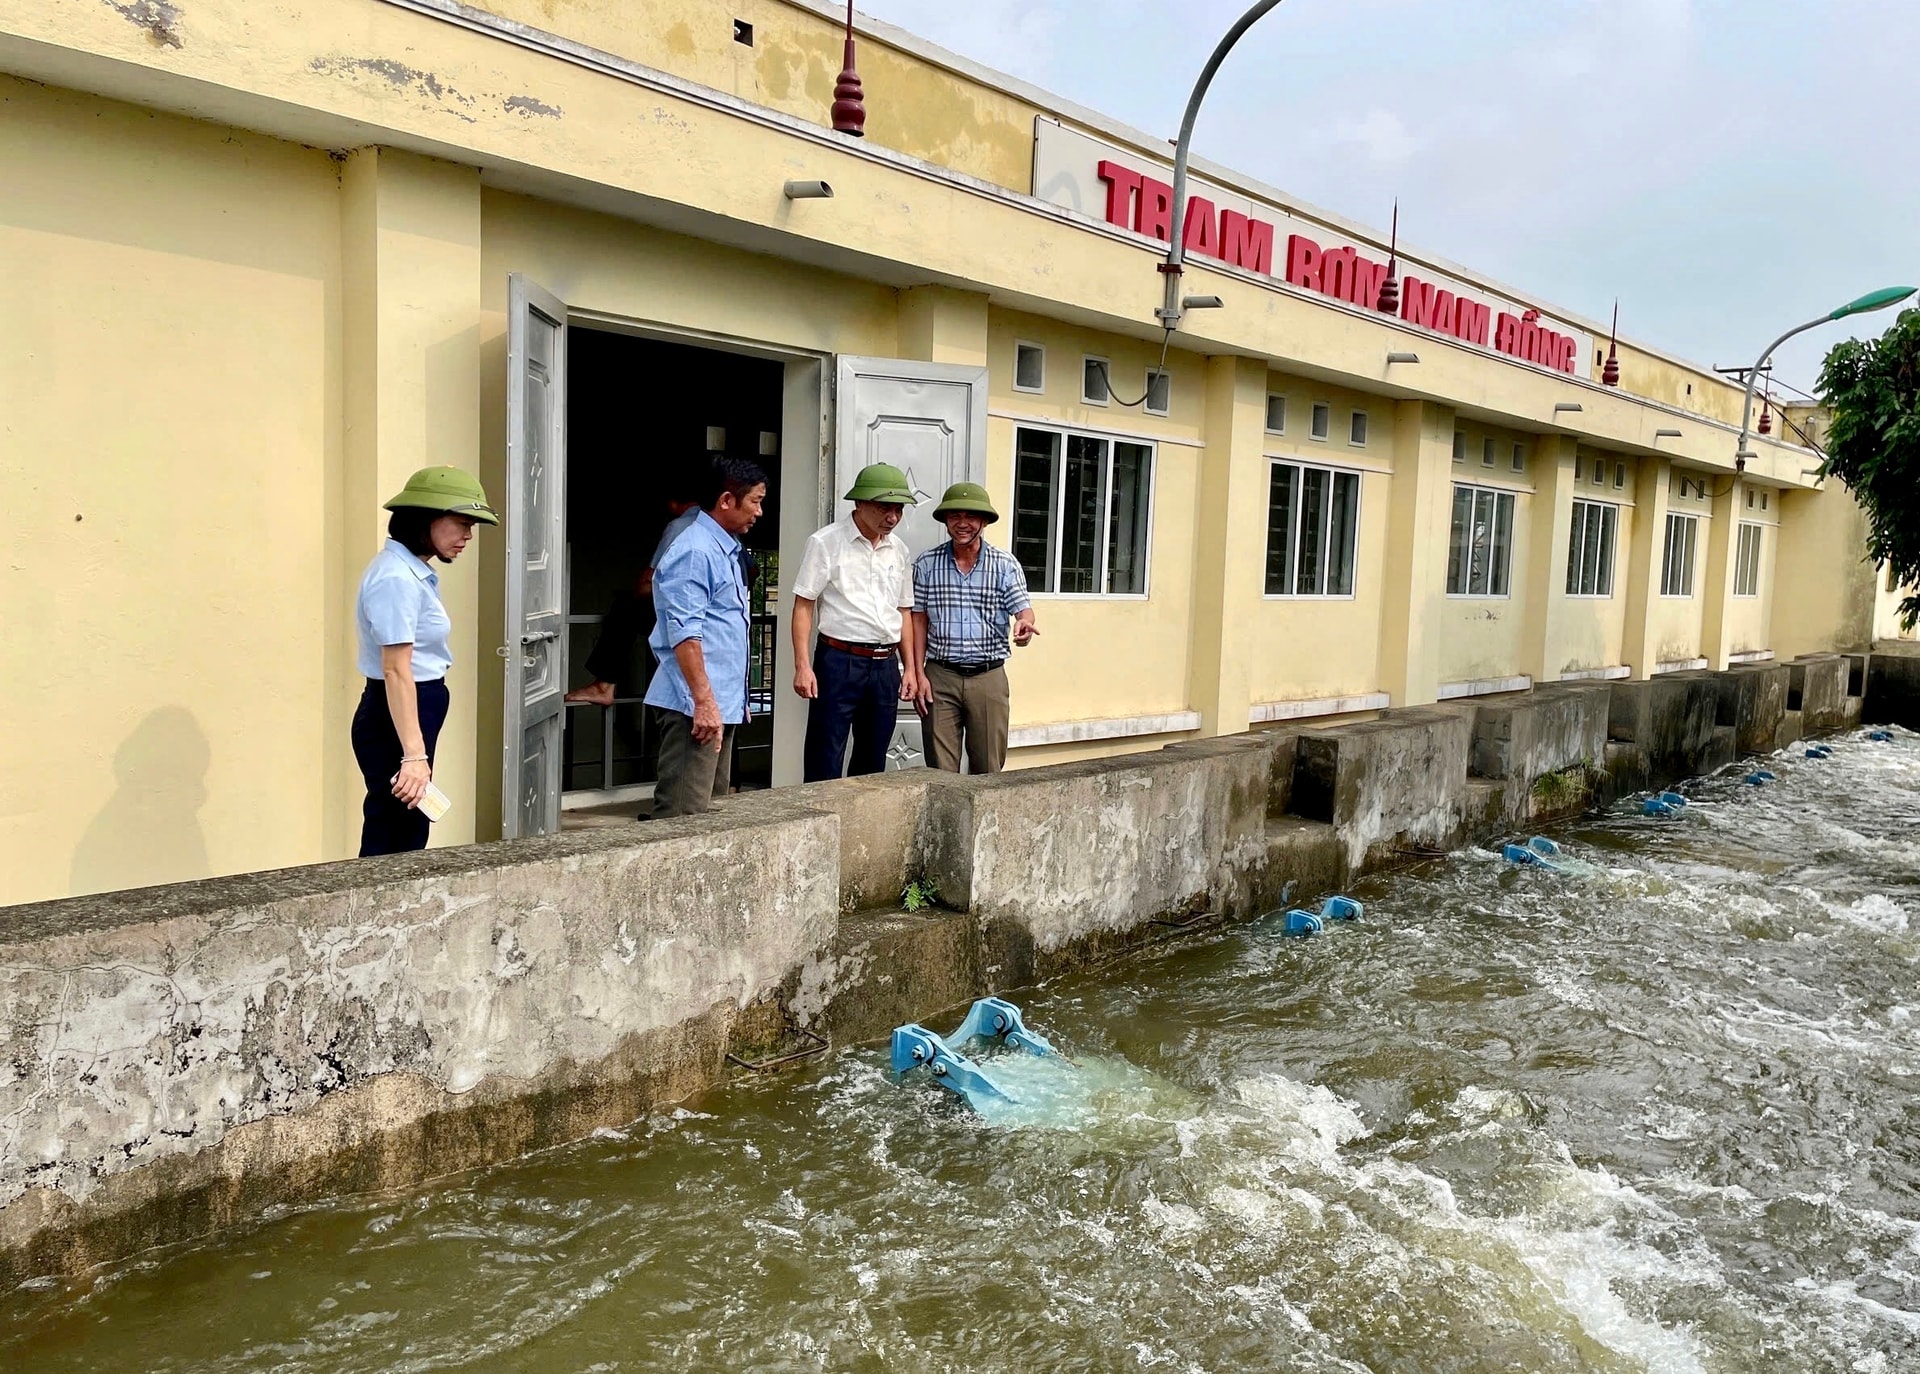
[1726, 168]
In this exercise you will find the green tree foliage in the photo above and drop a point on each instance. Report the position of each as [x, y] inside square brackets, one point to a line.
[1872, 389]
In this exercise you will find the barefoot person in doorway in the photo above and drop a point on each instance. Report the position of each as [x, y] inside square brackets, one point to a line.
[965, 593]
[857, 578]
[404, 656]
[699, 691]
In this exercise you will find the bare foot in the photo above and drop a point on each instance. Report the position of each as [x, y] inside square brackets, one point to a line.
[594, 694]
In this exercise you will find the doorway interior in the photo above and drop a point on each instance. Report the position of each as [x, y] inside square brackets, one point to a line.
[641, 412]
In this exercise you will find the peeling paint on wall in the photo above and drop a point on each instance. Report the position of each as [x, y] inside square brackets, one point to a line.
[160, 19]
[527, 105]
[398, 75]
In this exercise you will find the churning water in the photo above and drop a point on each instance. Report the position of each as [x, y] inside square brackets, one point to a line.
[1656, 1116]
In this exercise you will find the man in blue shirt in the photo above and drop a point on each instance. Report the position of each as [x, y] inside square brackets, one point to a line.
[965, 593]
[700, 596]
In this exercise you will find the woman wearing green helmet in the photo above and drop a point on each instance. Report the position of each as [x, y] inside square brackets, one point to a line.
[404, 655]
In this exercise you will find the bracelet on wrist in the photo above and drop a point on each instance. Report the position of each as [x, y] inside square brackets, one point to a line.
[413, 758]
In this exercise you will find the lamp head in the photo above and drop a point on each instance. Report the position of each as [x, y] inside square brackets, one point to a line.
[1873, 300]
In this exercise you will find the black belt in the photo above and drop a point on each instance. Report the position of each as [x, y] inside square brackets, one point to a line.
[967, 669]
[859, 650]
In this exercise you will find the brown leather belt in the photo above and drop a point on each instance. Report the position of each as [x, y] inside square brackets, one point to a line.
[859, 650]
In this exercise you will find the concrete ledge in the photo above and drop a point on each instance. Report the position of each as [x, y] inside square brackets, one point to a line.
[1680, 665]
[1893, 685]
[1817, 689]
[1753, 700]
[1671, 718]
[1114, 727]
[1483, 687]
[1265, 712]
[1618, 670]
[1751, 656]
[1397, 782]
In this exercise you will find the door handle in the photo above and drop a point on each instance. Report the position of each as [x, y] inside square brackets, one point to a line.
[539, 636]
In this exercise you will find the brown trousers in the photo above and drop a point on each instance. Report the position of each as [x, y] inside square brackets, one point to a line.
[976, 708]
[691, 776]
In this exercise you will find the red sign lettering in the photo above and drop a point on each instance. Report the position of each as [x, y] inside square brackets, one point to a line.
[1145, 205]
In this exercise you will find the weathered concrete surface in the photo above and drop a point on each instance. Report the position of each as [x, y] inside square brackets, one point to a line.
[1050, 857]
[179, 1059]
[1753, 700]
[1399, 782]
[281, 1036]
[1671, 718]
[1893, 685]
[1817, 689]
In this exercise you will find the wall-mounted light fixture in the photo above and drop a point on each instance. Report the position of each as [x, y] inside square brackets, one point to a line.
[1567, 407]
[1667, 434]
[1201, 302]
[807, 190]
[1393, 358]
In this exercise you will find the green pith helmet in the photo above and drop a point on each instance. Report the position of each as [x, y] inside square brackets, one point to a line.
[448, 490]
[967, 496]
[882, 482]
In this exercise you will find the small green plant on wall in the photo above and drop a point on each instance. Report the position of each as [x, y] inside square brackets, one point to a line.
[920, 894]
[1566, 788]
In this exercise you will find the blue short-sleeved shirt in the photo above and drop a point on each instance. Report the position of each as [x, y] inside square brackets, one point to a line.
[700, 592]
[675, 528]
[400, 604]
[967, 613]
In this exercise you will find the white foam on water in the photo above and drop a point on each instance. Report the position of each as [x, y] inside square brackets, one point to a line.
[1876, 912]
[1842, 1294]
[1581, 1268]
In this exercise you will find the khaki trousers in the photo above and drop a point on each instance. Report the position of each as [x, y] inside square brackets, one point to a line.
[976, 708]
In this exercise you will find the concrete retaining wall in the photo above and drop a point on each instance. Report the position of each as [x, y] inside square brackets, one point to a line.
[177, 1059]
[1893, 685]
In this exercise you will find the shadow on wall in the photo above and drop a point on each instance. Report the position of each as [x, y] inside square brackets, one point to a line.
[149, 830]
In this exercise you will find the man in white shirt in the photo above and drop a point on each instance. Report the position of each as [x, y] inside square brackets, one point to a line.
[856, 580]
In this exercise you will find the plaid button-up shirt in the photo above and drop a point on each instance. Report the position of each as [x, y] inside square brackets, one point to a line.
[968, 613]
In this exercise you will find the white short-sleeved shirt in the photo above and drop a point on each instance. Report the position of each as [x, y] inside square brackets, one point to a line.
[400, 604]
[861, 588]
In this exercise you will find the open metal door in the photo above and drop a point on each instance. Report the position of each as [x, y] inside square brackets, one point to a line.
[928, 419]
[536, 619]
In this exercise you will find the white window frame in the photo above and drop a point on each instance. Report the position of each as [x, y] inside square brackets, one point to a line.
[1578, 548]
[1496, 494]
[1688, 548]
[1359, 495]
[1273, 396]
[1320, 426]
[1146, 404]
[1357, 422]
[1041, 349]
[1056, 540]
[1106, 374]
[1746, 557]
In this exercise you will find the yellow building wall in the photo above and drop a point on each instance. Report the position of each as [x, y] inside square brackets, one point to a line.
[1750, 618]
[1102, 656]
[1588, 632]
[1824, 587]
[913, 106]
[170, 401]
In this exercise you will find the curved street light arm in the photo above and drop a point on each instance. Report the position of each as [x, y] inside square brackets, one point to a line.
[1170, 312]
[1741, 454]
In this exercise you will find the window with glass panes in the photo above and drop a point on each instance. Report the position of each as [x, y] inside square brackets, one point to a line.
[1480, 544]
[1313, 525]
[1676, 566]
[1081, 504]
[1590, 548]
[1746, 560]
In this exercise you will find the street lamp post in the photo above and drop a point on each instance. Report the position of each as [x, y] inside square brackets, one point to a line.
[1873, 300]
[1170, 311]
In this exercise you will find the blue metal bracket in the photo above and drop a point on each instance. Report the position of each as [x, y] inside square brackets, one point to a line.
[1544, 847]
[1760, 777]
[1880, 736]
[1303, 923]
[1819, 751]
[1673, 799]
[1000, 1020]
[1656, 806]
[1340, 909]
[915, 1046]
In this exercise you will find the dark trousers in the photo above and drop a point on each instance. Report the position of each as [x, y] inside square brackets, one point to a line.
[857, 694]
[692, 775]
[627, 623]
[388, 825]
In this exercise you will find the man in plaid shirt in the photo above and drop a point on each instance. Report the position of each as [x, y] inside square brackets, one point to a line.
[965, 592]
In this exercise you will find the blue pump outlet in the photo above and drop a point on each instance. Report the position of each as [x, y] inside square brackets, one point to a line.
[1759, 778]
[1519, 854]
[1303, 923]
[1340, 909]
[1880, 736]
[1673, 799]
[915, 1046]
[1544, 847]
[1656, 806]
[999, 1020]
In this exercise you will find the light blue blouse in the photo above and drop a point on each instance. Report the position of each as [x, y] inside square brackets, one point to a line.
[700, 592]
[400, 604]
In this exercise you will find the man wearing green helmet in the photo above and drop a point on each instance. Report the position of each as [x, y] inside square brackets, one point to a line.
[965, 593]
[856, 582]
[403, 632]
